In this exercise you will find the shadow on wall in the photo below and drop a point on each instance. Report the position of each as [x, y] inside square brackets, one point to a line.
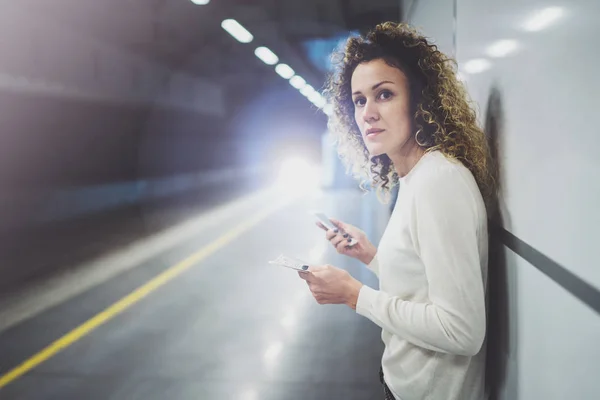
[501, 376]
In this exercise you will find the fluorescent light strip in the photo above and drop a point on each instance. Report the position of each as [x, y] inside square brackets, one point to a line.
[316, 99]
[502, 48]
[200, 2]
[242, 35]
[236, 30]
[284, 71]
[307, 90]
[266, 55]
[476, 66]
[543, 18]
[297, 82]
[273, 351]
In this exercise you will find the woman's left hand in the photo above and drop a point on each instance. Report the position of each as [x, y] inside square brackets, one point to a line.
[332, 285]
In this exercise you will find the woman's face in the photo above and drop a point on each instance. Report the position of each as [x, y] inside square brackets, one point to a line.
[382, 107]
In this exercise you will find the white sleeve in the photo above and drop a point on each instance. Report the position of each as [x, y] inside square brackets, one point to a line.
[374, 265]
[444, 229]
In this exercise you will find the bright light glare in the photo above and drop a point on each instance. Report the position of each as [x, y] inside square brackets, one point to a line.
[476, 66]
[266, 55]
[328, 109]
[285, 71]
[201, 2]
[288, 321]
[250, 394]
[298, 82]
[502, 48]
[301, 295]
[298, 174]
[317, 252]
[237, 31]
[543, 18]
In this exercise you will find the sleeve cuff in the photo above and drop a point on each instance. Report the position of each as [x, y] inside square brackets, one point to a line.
[374, 265]
[366, 298]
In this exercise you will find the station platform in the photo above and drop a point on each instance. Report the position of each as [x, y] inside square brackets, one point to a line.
[195, 311]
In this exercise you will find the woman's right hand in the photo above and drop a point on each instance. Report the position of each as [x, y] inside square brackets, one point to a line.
[363, 250]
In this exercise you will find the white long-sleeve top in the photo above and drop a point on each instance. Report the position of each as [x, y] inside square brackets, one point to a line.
[432, 268]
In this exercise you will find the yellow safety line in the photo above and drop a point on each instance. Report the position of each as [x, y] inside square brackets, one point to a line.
[131, 299]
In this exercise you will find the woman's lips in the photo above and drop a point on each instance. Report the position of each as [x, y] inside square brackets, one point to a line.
[373, 132]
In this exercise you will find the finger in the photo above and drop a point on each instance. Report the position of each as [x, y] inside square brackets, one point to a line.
[344, 227]
[331, 234]
[337, 240]
[304, 275]
[342, 246]
[308, 276]
[345, 235]
[315, 268]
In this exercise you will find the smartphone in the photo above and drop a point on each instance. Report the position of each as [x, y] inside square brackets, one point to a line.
[324, 219]
[290, 262]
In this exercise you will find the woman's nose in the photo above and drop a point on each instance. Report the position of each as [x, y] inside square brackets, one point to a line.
[370, 112]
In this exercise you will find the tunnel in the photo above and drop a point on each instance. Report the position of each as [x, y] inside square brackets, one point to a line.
[159, 159]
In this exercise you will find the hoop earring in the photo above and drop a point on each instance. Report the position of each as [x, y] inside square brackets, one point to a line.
[417, 138]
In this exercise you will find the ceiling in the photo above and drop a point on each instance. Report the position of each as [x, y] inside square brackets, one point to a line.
[182, 35]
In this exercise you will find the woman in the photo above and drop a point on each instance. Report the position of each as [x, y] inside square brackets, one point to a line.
[401, 116]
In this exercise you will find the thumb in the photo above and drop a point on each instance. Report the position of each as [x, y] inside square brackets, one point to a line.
[306, 275]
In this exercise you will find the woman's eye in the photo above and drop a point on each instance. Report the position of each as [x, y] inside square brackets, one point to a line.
[359, 102]
[385, 95]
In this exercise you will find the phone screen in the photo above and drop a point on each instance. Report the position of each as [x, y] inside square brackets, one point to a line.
[324, 220]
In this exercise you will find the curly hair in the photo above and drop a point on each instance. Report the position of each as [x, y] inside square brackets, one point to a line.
[442, 116]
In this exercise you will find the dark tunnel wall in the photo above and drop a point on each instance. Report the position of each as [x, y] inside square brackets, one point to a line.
[52, 144]
[51, 141]
[74, 112]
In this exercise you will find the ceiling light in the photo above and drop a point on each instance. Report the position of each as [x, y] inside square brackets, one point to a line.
[315, 97]
[200, 2]
[297, 82]
[284, 71]
[266, 55]
[502, 48]
[543, 18]
[237, 31]
[476, 66]
[307, 90]
[318, 101]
